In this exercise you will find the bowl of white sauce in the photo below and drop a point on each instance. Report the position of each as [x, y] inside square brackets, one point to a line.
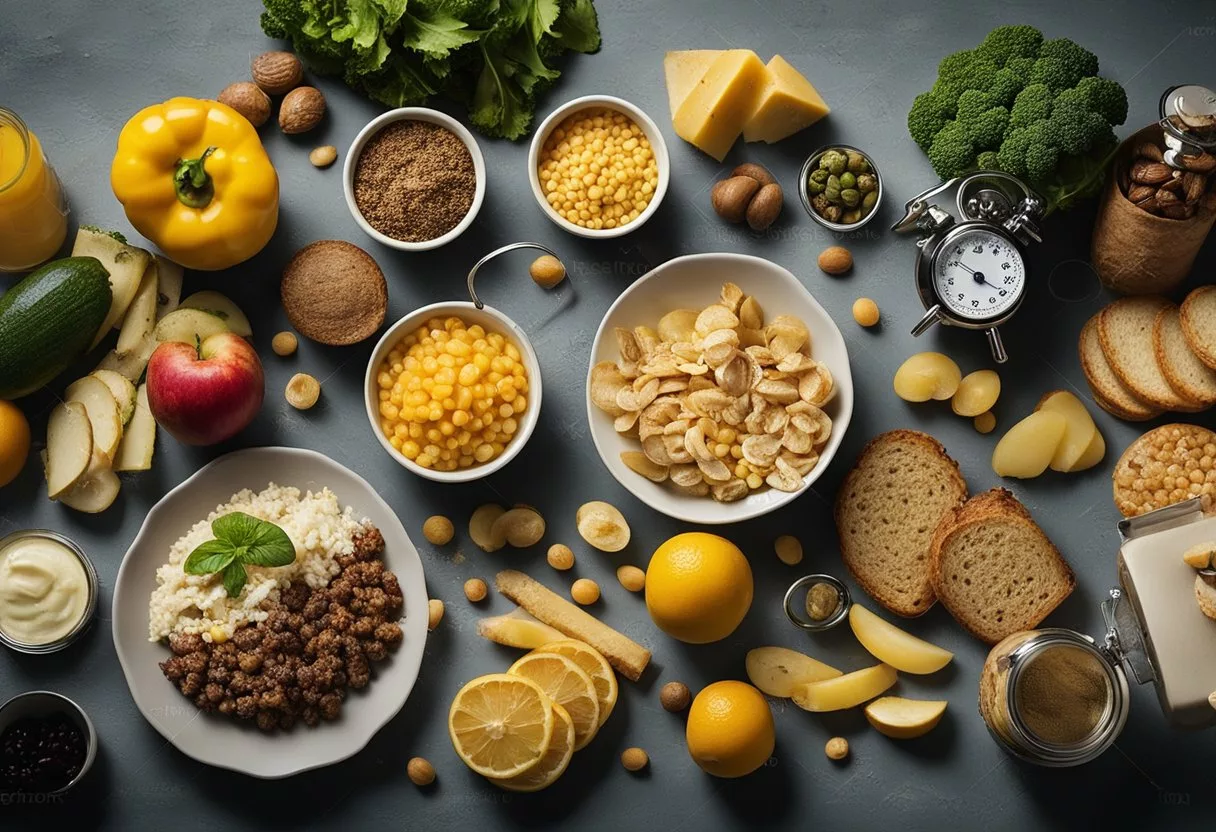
[48, 591]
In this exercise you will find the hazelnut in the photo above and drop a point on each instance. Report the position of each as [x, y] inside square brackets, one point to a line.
[837, 748]
[757, 172]
[301, 110]
[765, 207]
[730, 197]
[675, 697]
[634, 759]
[247, 99]
[420, 771]
[277, 72]
[835, 260]
[560, 556]
[284, 343]
[585, 591]
[475, 589]
[324, 156]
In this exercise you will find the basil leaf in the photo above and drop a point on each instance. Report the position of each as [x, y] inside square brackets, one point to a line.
[270, 547]
[238, 528]
[209, 557]
[234, 578]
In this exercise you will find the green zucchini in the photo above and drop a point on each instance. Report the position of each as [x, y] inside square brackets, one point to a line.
[48, 320]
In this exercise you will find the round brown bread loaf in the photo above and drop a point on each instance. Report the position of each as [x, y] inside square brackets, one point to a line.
[334, 293]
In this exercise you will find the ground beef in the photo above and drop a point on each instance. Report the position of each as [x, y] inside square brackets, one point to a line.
[297, 664]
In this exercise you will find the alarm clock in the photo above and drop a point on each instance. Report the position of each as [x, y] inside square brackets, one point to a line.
[970, 270]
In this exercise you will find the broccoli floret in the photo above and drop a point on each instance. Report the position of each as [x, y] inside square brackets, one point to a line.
[1062, 64]
[1005, 86]
[1106, 98]
[1074, 127]
[987, 160]
[983, 122]
[1041, 161]
[1021, 68]
[117, 235]
[1012, 155]
[1032, 104]
[1007, 42]
[951, 153]
[960, 72]
[925, 120]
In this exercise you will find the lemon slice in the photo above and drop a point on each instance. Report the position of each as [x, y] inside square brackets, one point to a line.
[552, 765]
[567, 685]
[591, 662]
[501, 725]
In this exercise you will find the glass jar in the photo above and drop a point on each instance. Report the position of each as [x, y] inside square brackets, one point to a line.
[33, 207]
[1052, 697]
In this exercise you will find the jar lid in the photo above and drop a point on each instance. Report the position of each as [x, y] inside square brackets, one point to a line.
[798, 601]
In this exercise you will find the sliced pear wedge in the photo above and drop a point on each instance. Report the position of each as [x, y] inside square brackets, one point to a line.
[847, 691]
[139, 439]
[122, 389]
[69, 447]
[904, 719]
[102, 409]
[97, 490]
[893, 646]
[779, 671]
[518, 629]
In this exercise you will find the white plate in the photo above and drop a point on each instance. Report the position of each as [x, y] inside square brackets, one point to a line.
[694, 282]
[222, 741]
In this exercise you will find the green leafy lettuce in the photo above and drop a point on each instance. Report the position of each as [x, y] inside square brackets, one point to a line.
[493, 56]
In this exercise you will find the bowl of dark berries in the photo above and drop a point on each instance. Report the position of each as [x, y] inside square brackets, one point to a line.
[47, 744]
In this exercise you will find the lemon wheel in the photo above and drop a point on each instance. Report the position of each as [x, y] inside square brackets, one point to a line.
[593, 663]
[552, 765]
[566, 684]
[501, 725]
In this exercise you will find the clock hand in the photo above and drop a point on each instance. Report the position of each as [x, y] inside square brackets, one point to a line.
[978, 275]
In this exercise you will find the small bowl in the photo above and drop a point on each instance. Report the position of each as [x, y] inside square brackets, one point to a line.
[810, 164]
[86, 617]
[657, 146]
[37, 703]
[413, 114]
[796, 598]
[490, 319]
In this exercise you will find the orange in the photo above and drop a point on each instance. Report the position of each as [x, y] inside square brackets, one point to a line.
[698, 587]
[14, 442]
[730, 729]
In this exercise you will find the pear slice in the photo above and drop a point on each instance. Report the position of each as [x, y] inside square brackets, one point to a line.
[102, 409]
[139, 439]
[169, 277]
[69, 447]
[126, 265]
[221, 307]
[189, 326]
[1079, 430]
[891, 645]
[778, 671]
[122, 389]
[1030, 445]
[904, 719]
[97, 490]
[1093, 454]
[137, 324]
[847, 691]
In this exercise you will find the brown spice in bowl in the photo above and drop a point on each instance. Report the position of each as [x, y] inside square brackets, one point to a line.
[414, 181]
[334, 293]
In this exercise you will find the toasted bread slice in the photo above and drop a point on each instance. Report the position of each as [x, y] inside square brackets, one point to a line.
[994, 569]
[1125, 329]
[1111, 394]
[1199, 323]
[900, 488]
[1189, 376]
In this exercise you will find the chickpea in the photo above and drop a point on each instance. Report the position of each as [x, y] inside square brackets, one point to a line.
[547, 271]
[985, 422]
[585, 591]
[865, 312]
[837, 748]
[634, 759]
[475, 590]
[284, 343]
[631, 577]
[438, 530]
[561, 557]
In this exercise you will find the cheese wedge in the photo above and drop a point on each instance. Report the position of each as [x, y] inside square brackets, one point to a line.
[787, 104]
[683, 70]
[714, 112]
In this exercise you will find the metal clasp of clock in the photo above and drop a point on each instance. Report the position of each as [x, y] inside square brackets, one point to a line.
[920, 215]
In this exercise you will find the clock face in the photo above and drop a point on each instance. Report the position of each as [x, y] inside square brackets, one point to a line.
[979, 274]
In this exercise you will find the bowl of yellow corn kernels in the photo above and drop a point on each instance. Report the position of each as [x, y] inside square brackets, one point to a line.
[452, 391]
[598, 166]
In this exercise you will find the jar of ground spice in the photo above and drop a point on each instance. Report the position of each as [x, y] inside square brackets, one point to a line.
[414, 178]
[1053, 697]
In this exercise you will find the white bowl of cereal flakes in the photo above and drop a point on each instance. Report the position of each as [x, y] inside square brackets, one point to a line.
[719, 388]
[598, 166]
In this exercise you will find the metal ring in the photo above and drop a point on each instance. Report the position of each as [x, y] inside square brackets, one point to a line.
[792, 610]
[512, 247]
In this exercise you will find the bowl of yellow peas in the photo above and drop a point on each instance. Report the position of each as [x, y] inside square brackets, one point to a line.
[598, 166]
[453, 391]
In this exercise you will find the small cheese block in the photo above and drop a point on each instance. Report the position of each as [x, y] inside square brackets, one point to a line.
[683, 70]
[788, 103]
[713, 114]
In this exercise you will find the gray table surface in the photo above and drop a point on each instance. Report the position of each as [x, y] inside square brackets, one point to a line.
[76, 70]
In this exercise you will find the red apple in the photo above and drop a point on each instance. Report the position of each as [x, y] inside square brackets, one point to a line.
[207, 393]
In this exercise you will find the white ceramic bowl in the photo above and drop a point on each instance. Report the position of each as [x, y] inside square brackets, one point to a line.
[694, 282]
[38, 703]
[221, 741]
[492, 321]
[413, 114]
[657, 146]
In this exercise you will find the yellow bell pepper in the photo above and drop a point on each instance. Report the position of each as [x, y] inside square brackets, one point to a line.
[194, 179]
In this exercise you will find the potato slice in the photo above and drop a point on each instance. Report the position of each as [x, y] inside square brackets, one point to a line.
[847, 691]
[679, 325]
[520, 527]
[518, 629]
[977, 393]
[603, 526]
[1030, 445]
[927, 375]
[1078, 433]
[69, 447]
[904, 719]
[189, 326]
[481, 528]
[891, 645]
[103, 412]
[221, 307]
[778, 671]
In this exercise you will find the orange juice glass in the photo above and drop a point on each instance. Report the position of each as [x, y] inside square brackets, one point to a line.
[33, 209]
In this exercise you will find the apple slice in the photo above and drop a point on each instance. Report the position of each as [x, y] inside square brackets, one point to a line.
[517, 629]
[189, 326]
[69, 447]
[139, 439]
[130, 365]
[169, 278]
[1078, 432]
[97, 490]
[905, 719]
[1030, 445]
[102, 409]
[778, 671]
[126, 265]
[1094, 454]
[222, 308]
[891, 645]
[847, 691]
[122, 389]
[140, 319]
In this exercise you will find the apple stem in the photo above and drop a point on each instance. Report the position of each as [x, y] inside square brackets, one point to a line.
[198, 346]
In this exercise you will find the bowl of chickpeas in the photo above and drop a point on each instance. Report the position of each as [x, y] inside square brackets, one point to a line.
[598, 166]
[453, 392]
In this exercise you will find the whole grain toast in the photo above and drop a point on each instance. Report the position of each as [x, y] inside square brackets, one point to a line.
[994, 569]
[1183, 370]
[1199, 323]
[1111, 394]
[1125, 330]
[901, 486]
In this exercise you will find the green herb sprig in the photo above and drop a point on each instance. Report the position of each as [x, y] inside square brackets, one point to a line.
[240, 540]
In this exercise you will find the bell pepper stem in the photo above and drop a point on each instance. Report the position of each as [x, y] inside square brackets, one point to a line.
[192, 182]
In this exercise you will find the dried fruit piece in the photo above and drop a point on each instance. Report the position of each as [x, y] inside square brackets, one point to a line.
[519, 527]
[927, 375]
[639, 463]
[977, 392]
[631, 577]
[715, 317]
[434, 613]
[729, 491]
[606, 382]
[560, 556]
[603, 526]
[678, 325]
[302, 391]
[284, 343]
[324, 156]
[482, 530]
[785, 478]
